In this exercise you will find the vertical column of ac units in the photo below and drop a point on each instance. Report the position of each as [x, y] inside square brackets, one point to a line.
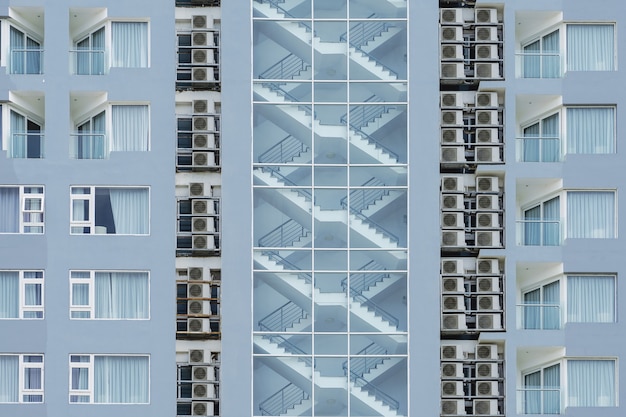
[204, 52]
[472, 380]
[471, 44]
[198, 382]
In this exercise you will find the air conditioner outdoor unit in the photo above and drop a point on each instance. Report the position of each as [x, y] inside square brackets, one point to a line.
[202, 141]
[487, 52]
[452, 352]
[487, 185]
[197, 356]
[486, 34]
[451, 370]
[451, 99]
[452, 202]
[487, 266]
[452, 118]
[488, 302]
[198, 307]
[489, 239]
[454, 70]
[486, 99]
[487, 284]
[202, 207]
[487, 117]
[198, 325]
[486, 352]
[199, 22]
[487, 154]
[451, 16]
[202, 408]
[452, 34]
[485, 16]
[452, 266]
[488, 322]
[487, 388]
[487, 71]
[452, 154]
[451, 52]
[452, 284]
[196, 189]
[202, 74]
[203, 159]
[453, 238]
[202, 391]
[452, 389]
[203, 123]
[487, 202]
[202, 373]
[452, 184]
[202, 38]
[202, 57]
[202, 225]
[452, 220]
[452, 407]
[198, 290]
[200, 106]
[452, 136]
[195, 274]
[487, 220]
[485, 407]
[202, 242]
[453, 303]
[489, 135]
[487, 370]
[453, 322]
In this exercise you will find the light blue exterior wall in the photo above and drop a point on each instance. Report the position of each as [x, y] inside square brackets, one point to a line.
[57, 252]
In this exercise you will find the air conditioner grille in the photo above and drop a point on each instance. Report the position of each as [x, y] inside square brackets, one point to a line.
[483, 34]
[199, 206]
[199, 224]
[449, 154]
[483, 100]
[483, 51]
[448, 34]
[450, 303]
[194, 325]
[485, 303]
[482, 407]
[200, 159]
[484, 202]
[195, 290]
[199, 74]
[449, 201]
[484, 266]
[199, 409]
[200, 141]
[484, 155]
[450, 285]
[199, 373]
[485, 220]
[195, 307]
[449, 267]
[448, 352]
[200, 242]
[199, 56]
[483, 16]
[196, 188]
[199, 22]
[484, 388]
[448, 388]
[448, 100]
[448, 370]
[483, 135]
[485, 285]
[451, 322]
[483, 351]
[484, 239]
[484, 71]
[196, 356]
[195, 274]
[483, 370]
[448, 117]
[450, 220]
[484, 184]
[199, 39]
[449, 239]
[200, 106]
[449, 407]
[200, 390]
[200, 123]
[448, 51]
[484, 118]
[450, 184]
[448, 135]
[449, 70]
[448, 16]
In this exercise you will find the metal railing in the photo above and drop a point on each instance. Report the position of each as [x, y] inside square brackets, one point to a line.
[284, 235]
[539, 232]
[363, 365]
[284, 151]
[539, 149]
[370, 305]
[287, 397]
[540, 316]
[282, 318]
[86, 145]
[275, 4]
[361, 199]
[372, 141]
[88, 61]
[276, 174]
[539, 64]
[30, 145]
[289, 67]
[274, 256]
[363, 282]
[539, 400]
[26, 61]
[389, 235]
[385, 398]
[364, 32]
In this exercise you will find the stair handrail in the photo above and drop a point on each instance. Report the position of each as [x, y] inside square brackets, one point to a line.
[378, 310]
[387, 233]
[291, 348]
[275, 87]
[278, 403]
[371, 349]
[287, 68]
[380, 395]
[273, 255]
[363, 114]
[274, 4]
[276, 173]
[282, 318]
[284, 235]
[374, 141]
[284, 151]
[373, 27]
[367, 280]
[373, 194]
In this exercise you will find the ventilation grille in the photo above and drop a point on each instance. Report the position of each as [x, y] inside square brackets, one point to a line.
[196, 189]
[450, 352]
[199, 22]
[196, 356]
[199, 39]
[195, 274]
[200, 373]
[452, 285]
[200, 106]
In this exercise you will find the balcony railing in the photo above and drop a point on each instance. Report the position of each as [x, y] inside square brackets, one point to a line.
[88, 61]
[539, 232]
[85, 145]
[26, 61]
[540, 316]
[539, 64]
[539, 149]
[539, 400]
[26, 145]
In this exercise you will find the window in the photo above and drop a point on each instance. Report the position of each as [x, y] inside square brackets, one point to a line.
[25, 53]
[26, 137]
[110, 379]
[130, 127]
[542, 57]
[542, 391]
[21, 294]
[542, 224]
[590, 47]
[109, 295]
[21, 209]
[590, 130]
[21, 378]
[114, 210]
[90, 54]
[541, 140]
[591, 214]
[591, 299]
[542, 307]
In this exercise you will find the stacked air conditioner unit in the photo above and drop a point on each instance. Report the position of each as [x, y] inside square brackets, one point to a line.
[487, 388]
[452, 202]
[452, 267]
[486, 52]
[451, 99]
[452, 154]
[198, 290]
[487, 370]
[452, 136]
[487, 202]
[488, 321]
[452, 52]
[488, 303]
[486, 118]
[452, 353]
[451, 17]
[487, 239]
[202, 391]
[487, 154]
[487, 135]
[452, 220]
[487, 70]
[202, 207]
[453, 238]
[451, 34]
[487, 221]
[452, 285]
[202, 242]
[451, 370]
[486, 16]
[452, 407]
[195, 274]
[453, 322]
[487, 185]
[452, 303]
[202, 408]
[202, 225]
[488, 352]
[452, 184]
[486, 34]
[487, 266]
[198, 307]
[486, 100]
[452, 70]
[485, 407]
[196, 189]
[487, 284]
[452, 389]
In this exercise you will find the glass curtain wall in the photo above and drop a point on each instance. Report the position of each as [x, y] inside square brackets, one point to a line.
[330, 208]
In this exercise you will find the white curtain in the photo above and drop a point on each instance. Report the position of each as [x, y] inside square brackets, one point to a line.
[590, 130]
[91, 138]
[541, 141]
[33, 380]
[551, 386]
[9, 379]
[542, 57]
[590, 214]
[9, 210]
[591, 299]
[532, 395]
[18, 136]
[17, 51]
[121, 295]
[542, 224]
[33, 56]
[90, 54]
[532, 314]
[9, 295]
[121, 379]
[80, 298]
[591, 383]
[130, 44]
[532, 226]
[590, 48]
[130, 128]
[130, 210]
[32, 298]
[551, 301]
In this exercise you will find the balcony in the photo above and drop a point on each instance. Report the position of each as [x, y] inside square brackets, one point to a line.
[88, 61]
[536, 316]
[538, 149]
[26, 60]
[89, 146]
[539, 64]
[539, 400]
[534, 232]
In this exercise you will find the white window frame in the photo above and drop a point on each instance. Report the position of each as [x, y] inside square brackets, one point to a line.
[29, 192]
[91, 198]
[89, 392]
[91, 306]
[26, 33]
[23, 281]
[21, 380]
[541, 286]
[7, 108]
